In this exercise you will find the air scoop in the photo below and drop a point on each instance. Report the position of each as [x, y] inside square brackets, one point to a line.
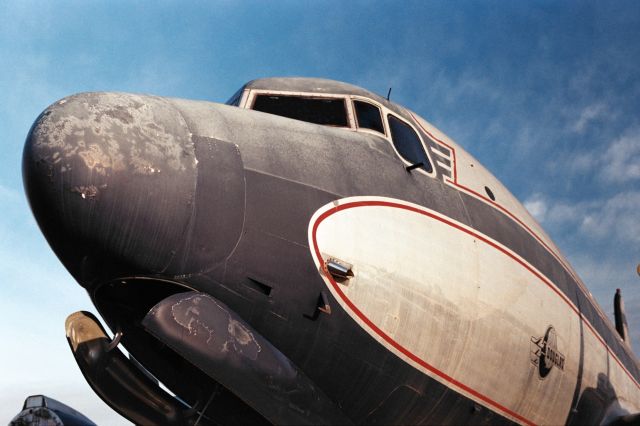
[115, 378]
[215, 339]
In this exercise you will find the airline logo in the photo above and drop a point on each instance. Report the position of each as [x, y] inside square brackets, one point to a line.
[545, 354]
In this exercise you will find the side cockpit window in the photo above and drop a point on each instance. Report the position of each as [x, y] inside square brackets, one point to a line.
[368, 116]
[408, 144]
[325, 111]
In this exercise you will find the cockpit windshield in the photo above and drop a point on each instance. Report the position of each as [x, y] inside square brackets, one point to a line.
[341, 105]
[325, 111]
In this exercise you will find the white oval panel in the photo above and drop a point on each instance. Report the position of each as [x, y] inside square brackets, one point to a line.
[453, 303]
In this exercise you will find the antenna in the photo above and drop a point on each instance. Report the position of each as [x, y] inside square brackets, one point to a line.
[389, 93]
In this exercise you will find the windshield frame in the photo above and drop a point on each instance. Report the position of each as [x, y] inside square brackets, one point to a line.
[250, 96]
[254, 93]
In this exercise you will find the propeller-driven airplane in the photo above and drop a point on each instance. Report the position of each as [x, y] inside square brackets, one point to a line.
[311, 253]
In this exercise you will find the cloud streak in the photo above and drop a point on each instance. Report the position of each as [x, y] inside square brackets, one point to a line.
[617, 217]
[622, 159]
[589, 115]
[612, 218]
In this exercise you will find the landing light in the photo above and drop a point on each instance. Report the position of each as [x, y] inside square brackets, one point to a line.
[339, 269]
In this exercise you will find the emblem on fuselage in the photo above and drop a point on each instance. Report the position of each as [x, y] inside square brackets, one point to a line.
[545, 354]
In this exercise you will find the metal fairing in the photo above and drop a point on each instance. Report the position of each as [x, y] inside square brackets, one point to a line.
[211, 336]
[456, 313]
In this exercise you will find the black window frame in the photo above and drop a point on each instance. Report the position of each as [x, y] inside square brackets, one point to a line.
[427, 165]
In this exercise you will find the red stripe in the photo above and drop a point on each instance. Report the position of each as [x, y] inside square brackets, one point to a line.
[488, 200]
[405, 351]
[540, 240]
[385, 336]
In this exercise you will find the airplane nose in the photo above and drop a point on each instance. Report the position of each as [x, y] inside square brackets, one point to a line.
[112, 180]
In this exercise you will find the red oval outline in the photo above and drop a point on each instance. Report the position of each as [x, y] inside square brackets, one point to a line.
[405, 351]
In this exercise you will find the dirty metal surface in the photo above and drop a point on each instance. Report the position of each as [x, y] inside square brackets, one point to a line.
[212, 337]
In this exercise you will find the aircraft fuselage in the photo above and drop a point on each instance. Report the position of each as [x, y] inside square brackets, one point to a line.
[316, 273]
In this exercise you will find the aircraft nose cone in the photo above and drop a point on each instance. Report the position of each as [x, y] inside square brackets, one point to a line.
[111, 178]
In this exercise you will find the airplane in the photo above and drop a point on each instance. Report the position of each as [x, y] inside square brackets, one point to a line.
[41, 410]
[311, 253]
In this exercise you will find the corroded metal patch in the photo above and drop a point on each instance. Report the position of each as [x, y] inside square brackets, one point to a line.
[111, 132]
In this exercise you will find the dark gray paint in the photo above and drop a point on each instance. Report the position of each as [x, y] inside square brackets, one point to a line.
[234, 222]
[214, 338]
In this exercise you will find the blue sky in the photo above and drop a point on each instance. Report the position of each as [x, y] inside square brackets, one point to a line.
[545, 94]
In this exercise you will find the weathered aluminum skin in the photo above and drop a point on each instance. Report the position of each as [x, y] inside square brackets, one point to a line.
[219, 200]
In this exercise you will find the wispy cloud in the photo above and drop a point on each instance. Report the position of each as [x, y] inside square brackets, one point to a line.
[588, 115]
[622, 158]
[610, 218]
[553, 212]
[616, 217]
[581, 163]
[537, 206]
[616, 163]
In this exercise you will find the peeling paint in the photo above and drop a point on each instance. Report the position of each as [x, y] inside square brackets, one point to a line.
[88, 191]
[111, 132]
[238, 338]
[241, 335]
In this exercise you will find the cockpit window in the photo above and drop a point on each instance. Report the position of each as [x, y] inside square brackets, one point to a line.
[325, 111]
[407, 143]
[368, 116]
